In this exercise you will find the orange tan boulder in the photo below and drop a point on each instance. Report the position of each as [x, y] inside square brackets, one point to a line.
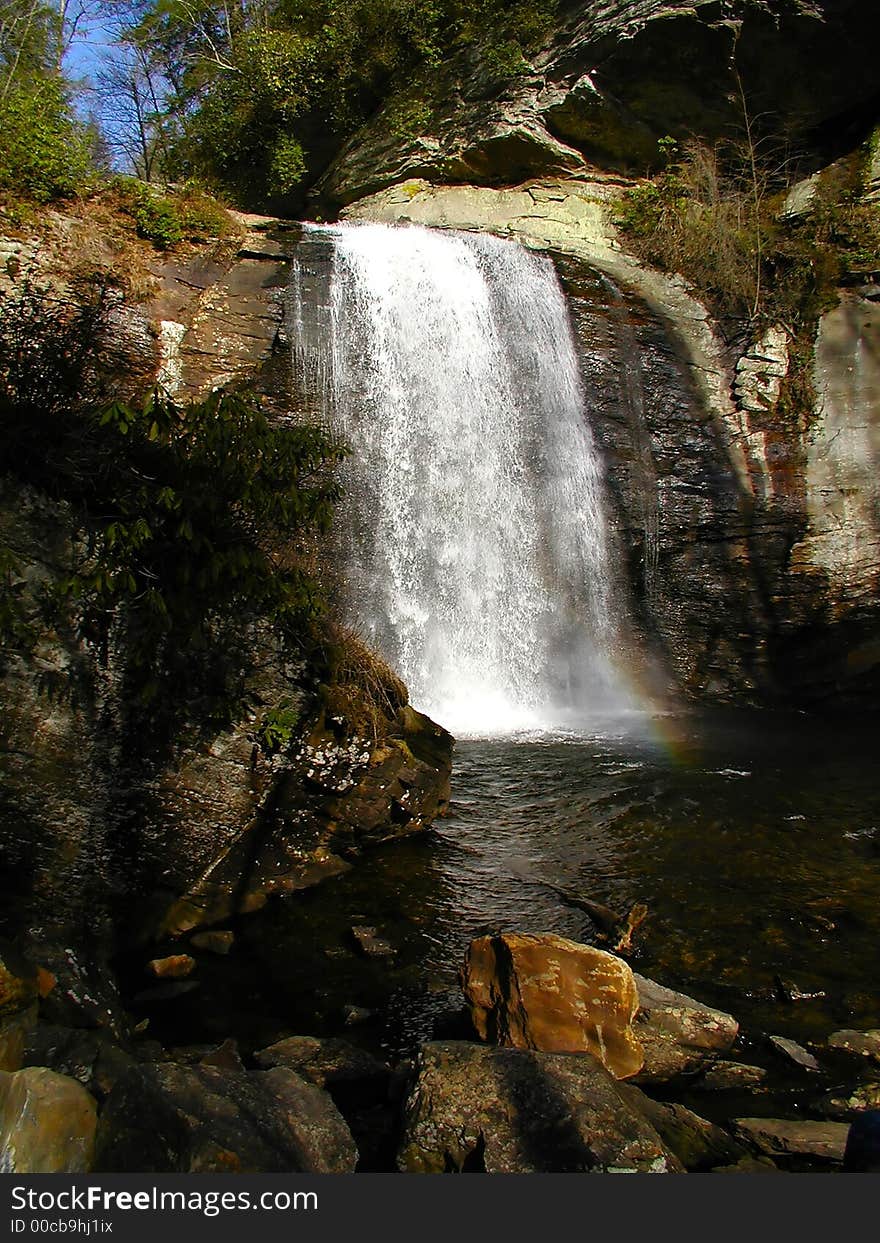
[543, 992]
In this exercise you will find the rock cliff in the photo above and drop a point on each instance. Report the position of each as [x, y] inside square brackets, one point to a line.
[615, 77]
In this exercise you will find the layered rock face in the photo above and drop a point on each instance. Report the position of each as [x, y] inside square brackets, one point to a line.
[611, 80]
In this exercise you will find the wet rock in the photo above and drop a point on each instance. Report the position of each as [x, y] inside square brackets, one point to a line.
[90, 1056]
[370, 943]
[794, 1052]
[678, 1034]
[731, 1076]
[698, 1144]
[214, 941]
[821, 1141]
[178, 1119]
[546, 993]
[19, 992]
[175, 967]
[47, 1123]
[479, 1108]
[225, 1057]
[861, 1044]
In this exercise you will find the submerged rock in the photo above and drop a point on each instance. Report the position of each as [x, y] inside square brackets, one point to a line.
[216, 941]
[47, 1123]
[177, 1119]
[370, 943]
[678, 1034]
[546, 993]
[475, 1108]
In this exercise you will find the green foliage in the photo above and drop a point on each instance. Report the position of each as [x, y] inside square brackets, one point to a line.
[166, 219]
[278, 727]
[44, 153]
[287, 167]
[263, 94]
[187, 517]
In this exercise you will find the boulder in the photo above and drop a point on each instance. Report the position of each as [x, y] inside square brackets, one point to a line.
[678, 1034]
[47, 1123]
[476, 1108]
[165, 1118]
[775, 1137]
[545, 993]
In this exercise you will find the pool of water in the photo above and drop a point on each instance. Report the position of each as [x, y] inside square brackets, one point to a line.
[753, 838]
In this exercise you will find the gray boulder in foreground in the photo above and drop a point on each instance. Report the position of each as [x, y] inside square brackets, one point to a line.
[500, 1110]
[678, 1034]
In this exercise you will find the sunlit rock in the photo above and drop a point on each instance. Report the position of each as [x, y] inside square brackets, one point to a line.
[544, 992]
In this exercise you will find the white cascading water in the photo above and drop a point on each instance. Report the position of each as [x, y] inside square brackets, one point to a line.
[476, 551]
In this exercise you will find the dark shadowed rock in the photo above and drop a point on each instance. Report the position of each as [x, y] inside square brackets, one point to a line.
[329, 1063]
[500, 1110]
[698, 1144]
[177, 1119]
[91, 1056]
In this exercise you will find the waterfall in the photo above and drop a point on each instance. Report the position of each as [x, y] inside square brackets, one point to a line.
[475, 544]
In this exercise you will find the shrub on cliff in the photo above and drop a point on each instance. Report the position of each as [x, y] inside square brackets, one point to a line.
[184, 518]
[716, 216]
